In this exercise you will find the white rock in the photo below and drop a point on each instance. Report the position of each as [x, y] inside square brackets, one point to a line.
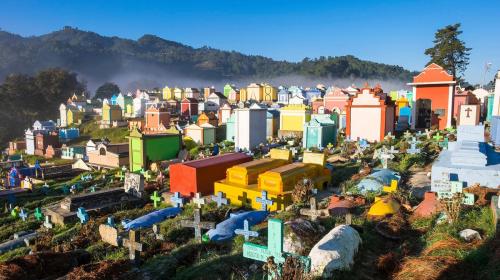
[470, 235]
[335, 251]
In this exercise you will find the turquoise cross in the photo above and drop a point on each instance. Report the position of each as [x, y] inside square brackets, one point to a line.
[82, 215]
[38, 214]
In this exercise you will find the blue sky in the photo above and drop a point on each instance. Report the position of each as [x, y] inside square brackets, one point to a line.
[393, 32]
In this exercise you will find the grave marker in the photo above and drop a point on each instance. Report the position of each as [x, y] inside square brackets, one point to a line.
[197, 224]
[82, 215]
[23, 215]
[246, 232]
[156, 199]
[111, 221]
[134, 246]
[38, 214]
[391, 189]
[219, 199]
[274, 250]
[156, 231]
[177, 200]
[134, 184]
[313, 211]
[109, 234]
[264, 201]
[198, 200]
[47, 223]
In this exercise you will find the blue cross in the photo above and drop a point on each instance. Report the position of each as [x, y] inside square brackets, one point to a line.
[82, 215]
[219, 198]
[177, 200]
[246, 232]
[363, 144]
[264, 201]
[23, 215]
[111, 221]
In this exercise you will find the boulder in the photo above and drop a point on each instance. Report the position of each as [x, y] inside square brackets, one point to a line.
[335, 251]
[301, 236]
[470, 235]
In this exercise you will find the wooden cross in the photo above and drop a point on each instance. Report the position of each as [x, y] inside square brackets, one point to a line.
[264, 201]
[246, 232]
[177, 200]
[134, 245]
[468, 110]
[23, 215]
[47, 223]
[198, 200]
[244, 199]
[155, 198]
[274, 250]
[219, 198]
[313, 211]
[82, 215]
[197, 224]
[38, 214]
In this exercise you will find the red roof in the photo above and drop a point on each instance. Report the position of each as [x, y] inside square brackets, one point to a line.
[220, 159]
[433, 73]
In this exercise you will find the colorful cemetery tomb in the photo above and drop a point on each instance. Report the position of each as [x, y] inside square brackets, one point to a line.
[197, 224]
[189, 107]
[30, 141]
[469, 115]
[16, 146]
[283, 95]
[52, 152]
[191, 93]
[495, 131]
[313, 211]
[272, 123]
[319, 132]
[200, 175]
[157, 120]
[269, 93]
[68, 134]
[214, 101]
[404, 119]
[433, 91]
[63, 114]
[74, 116]
[167, 93]
[496, 98]
[42, 141]
[225, 113]
[273, 253]
[254, 91]
[469, 160]
[383, 207]
[109, 156]
[110, 114]
[202, 134]
[73, 152]
[370, 115]
[461, 98]
[292, 119]
[228, 90]
[145, 149]
[209, 118]
[249, 127]
[245, 182]
[138, 106]
[392, 188]
[67, 210]
[134, 246]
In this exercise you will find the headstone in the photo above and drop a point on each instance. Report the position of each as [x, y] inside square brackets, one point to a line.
[109, 234]
[156, 231]
[134, 184]
[82, 215]
[156, 199]
[469, 115]
[385, 156]
[177, 200]
[313, 211]
[273, 253]
[264, 201]
[134, 246]
[219, 199]
[47, 223]
[38, 214]
[198, 200]
[23, 215]
[197, 224]
[246, 232]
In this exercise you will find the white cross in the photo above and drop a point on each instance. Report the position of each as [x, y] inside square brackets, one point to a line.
[198, 200]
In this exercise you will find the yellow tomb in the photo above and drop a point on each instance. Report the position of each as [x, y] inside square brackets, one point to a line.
[245, 182]
[383, 207]
[292, 119]
[392, 189]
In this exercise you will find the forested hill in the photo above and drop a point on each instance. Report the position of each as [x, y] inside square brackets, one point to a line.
[101, 58]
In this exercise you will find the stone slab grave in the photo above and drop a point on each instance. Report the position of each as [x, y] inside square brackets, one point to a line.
[101, 200]
[469, 115]
[109, 235]
[19, 239]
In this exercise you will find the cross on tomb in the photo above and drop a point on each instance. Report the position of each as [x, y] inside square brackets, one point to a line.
[38, 214]
[428, 133]
[264, 201]
[313, 211]
[23, 215]
[246, 232]
[244, 199]
[413, 149]
[444, 143]
[393, 151]
[407, 134]
[468, 110]
[389, 136]
[147, 175]
[363, 144]
[82, 215]
[385, 156]
[177, 200]
[219, 199]
[198, 200]
[437, 137]
[47, 223]
[111, 221]
[156, 199]
[274, 250]
[134, 246]
[197, 224]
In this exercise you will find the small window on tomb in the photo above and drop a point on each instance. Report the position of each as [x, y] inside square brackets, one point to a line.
[102, 151]
[440, 112]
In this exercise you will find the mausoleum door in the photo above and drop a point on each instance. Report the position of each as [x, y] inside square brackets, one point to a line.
[424, 113]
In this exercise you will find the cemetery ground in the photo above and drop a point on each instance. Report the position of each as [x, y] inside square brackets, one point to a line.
[398, 247]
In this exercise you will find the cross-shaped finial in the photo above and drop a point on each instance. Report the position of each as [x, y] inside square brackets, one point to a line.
[177, 200]
[264, 201]
[198, 200]
[47, 223]
[23, 215]
[38, 214]
[219, 199]
[246, 232]
[156, 199]
[82, 215]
